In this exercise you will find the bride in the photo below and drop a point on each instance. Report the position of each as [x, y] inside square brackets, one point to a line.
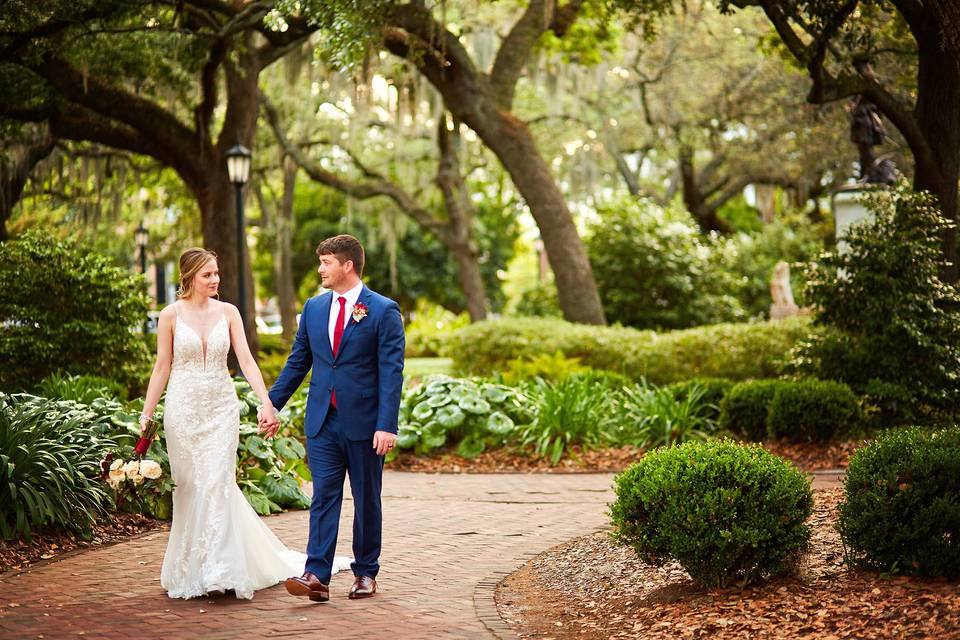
[217, 542]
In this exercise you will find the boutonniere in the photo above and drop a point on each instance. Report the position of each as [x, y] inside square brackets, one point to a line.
[359, 312]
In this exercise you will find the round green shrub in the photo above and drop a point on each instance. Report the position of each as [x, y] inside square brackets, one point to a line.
[812, 411]
[901, 511]
[66, 308]
[744, 409]
[728, 513]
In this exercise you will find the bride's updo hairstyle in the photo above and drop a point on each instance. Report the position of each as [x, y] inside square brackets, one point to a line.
[191, 262]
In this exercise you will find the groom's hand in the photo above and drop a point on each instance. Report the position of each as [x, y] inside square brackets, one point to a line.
[384, 442]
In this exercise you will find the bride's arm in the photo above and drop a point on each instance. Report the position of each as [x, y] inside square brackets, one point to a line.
[245, 359]
[161, 368]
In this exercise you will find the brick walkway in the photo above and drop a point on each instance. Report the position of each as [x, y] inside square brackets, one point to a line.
[447, 540]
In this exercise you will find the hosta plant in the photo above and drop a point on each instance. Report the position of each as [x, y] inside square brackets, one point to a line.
[473, 414]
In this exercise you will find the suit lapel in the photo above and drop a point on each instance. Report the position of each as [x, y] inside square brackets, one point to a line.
[325, 322]
[364, 299]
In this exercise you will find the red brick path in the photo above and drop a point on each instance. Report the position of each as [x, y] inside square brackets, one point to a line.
[447, 540]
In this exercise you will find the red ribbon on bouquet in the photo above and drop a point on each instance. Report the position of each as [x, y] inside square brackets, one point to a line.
[149, 433]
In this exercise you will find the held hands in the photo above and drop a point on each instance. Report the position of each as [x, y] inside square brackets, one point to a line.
[267, 421]
[384, 442]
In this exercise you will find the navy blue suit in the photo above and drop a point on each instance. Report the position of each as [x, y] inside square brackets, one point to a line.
[367, 374]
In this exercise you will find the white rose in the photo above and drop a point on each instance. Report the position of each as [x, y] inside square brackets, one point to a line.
[116, 475]
[136, 478]
[132, 469]
[150, 469]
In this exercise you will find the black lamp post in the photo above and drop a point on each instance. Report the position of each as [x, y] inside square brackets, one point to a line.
[238, 169]
[142, 236]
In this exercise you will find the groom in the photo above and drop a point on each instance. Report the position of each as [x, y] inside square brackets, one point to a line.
[353, 339]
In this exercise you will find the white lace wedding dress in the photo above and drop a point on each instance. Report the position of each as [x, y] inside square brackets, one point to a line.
[217, 541]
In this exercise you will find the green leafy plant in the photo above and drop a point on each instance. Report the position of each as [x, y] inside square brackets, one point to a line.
[812, 411]
[712, 391]
[50, 456]
[901, 509]
[649, 417]
[728, 513]
[432, 325]
[552, 367]
[66, 308]
[882, 311]
[472, 414]
[744, 409]
[270, 472]
[85, 389]
[569, 411]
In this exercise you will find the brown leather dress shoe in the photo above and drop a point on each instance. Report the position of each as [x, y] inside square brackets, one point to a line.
[363, 587]
[308, 585]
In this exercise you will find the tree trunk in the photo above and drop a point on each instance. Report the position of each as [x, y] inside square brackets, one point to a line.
[513, 144]
[938, 115]
[460, 211]
[283, 253]
[15, 169]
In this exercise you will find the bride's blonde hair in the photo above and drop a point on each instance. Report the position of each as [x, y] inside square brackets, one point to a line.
[191, 262]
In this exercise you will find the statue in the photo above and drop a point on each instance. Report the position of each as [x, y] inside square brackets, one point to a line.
[867, 131]
[783, 305]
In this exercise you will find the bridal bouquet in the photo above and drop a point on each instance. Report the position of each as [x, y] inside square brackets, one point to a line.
[139, 485]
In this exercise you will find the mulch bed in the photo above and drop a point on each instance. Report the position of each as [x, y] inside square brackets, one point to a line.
[18, 555]
[806, 456]
[592, 587]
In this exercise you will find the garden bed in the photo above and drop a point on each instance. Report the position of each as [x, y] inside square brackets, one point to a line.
[18, 555]
[592, 587]
[806, 456]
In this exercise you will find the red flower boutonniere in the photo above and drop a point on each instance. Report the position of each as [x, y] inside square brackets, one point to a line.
[359, 312]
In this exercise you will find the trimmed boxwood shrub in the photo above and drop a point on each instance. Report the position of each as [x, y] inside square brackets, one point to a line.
[728, 513]
[901, 511]
[744, 409]
[736, 351]
[812, 411]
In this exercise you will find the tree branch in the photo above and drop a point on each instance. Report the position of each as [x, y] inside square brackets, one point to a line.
[359, 190]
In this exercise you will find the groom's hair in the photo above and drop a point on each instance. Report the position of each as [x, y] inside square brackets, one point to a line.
[345, 248]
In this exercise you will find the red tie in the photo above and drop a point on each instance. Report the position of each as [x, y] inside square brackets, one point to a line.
[337, 335]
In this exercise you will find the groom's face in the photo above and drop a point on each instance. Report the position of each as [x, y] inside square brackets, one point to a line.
[333, 273]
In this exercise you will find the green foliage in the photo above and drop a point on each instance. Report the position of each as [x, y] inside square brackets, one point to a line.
[901, 511]
[472, 414]
[84, 389]
[272, 344]
[569, 411]
[727, 513]
[711, 391]
[432, 325]
[66, 308]
[551, 367]
[887, 314]
[270, 472]
[50, 456]
[735, 351]
[649, 417]
[539, 301]
[653, 270]
[744, 409]
[812, 411]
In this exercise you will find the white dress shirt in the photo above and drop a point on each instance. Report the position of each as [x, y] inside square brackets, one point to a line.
[352, 296]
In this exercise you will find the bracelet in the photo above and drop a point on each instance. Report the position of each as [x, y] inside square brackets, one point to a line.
[144, 416]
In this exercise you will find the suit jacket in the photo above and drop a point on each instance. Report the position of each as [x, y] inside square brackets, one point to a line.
[367, 371]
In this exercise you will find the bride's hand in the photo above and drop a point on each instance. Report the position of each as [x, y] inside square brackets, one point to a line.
[269, 423]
